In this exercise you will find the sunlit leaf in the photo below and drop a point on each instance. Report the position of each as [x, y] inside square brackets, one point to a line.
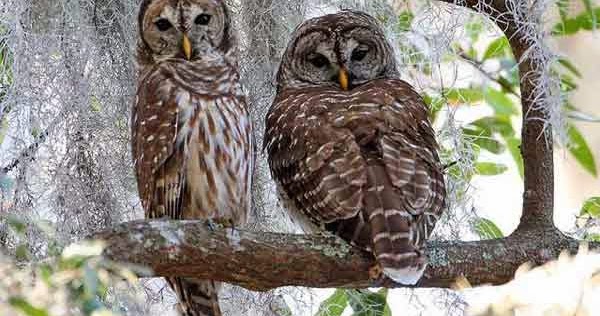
[405, 19]
[563, 9]
[435, 105]
[500, 102]
[474, 29]
[464, 95]
[486, 229]
[498, 48]
[25, 307]
[367, 303]
[482, 137]
[334, 305]
[589, 9]
[593, 237]
[567, 83]
[490, 168]
[579, 148]
[584, 21]
[22, 253]
[387, 310]
[95, 105]
[514, 147]
[591, 207]
[495, 124]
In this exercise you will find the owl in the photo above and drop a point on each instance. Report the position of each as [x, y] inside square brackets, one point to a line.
[191, 131]
[350, 145]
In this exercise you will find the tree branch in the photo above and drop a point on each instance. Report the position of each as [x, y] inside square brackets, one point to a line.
[262, 261]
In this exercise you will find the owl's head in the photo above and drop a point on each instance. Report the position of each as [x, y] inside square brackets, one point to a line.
[346, 50]
[189, 29]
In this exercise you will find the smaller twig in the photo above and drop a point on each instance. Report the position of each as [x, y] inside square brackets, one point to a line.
[27, 154]
[499, 80]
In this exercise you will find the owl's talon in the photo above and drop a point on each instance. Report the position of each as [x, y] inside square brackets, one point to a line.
[212, 226]
[376, 272]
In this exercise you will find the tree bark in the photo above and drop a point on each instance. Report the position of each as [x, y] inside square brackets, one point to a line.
[263, 261]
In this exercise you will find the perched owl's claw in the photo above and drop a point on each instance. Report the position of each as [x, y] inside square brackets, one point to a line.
[212, 226]
[376, 272]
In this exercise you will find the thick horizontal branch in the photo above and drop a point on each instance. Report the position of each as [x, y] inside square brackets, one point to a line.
[262, 261]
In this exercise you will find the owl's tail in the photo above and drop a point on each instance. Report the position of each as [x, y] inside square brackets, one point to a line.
[196, 297]
[395, 232]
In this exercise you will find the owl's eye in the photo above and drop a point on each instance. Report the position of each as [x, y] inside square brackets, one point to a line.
[163, 25]
[359, 54]
[318, 60]
[202, 19]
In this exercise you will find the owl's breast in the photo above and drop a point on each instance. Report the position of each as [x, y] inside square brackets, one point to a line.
[215, 133]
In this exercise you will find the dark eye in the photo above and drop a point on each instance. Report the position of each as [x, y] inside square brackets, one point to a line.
[318, 60]
[359, 54]
[163, 25]
[202, 19]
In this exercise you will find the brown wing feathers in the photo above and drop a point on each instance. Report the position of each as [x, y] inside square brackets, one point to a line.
[362, 164]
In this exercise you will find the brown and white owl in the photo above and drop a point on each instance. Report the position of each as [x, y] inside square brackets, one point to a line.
[191, 132]
[350, 145]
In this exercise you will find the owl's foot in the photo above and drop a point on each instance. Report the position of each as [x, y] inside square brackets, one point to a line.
[376, 272]
[214, 223]
[212, 226]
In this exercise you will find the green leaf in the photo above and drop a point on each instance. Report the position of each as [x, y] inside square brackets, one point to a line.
[495, 124]
[474, 29]
[334, 305]
[405, 19]
[593, 237]
[514, 147]
[464, 95]
[584, 21]
[590, 11]
[567, 83]
[569, 66]
[498, 48]
[579, 148]
[563, 9]
[486, 229]
[367, 303]
[387, 310]
[435, 105]
[591, 207]
[95, 105]
[490, 168]
[500, 102]
[22, 253]
[482, 137]
[26, 307]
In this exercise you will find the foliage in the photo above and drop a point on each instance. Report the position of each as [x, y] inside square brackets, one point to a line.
[362, 303]
[70, 281]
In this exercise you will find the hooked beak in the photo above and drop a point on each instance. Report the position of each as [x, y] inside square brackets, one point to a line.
[343, 78]
[187, 47]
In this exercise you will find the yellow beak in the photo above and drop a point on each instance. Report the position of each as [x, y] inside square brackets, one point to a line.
[187, 47]
[343, 78]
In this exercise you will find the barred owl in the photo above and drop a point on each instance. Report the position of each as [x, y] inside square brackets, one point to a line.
[191, 132]
[350, 145]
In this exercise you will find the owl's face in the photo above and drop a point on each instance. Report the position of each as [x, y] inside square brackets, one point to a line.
[346, 50]
[189, 29]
